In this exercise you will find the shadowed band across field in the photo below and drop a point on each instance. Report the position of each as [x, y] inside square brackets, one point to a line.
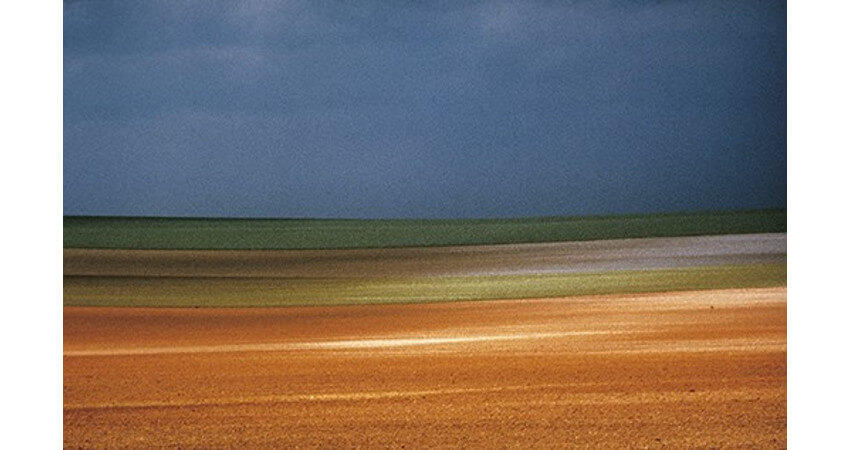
[357, 276]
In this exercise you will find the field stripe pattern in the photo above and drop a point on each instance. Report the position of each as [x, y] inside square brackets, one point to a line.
[684, 369]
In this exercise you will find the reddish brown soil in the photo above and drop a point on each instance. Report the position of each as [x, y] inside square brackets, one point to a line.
[660, 370]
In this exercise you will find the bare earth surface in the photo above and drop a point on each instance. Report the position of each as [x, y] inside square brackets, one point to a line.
[686, 369]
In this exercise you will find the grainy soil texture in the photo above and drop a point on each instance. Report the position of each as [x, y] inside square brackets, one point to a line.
[671, 370]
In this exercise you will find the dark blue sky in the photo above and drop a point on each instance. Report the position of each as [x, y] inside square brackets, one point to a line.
[423, 108]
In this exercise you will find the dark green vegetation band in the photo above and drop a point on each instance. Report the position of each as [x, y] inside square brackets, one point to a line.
[241, 292]
[279, 234]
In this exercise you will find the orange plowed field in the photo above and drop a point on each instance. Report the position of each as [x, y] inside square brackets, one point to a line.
[652, 370]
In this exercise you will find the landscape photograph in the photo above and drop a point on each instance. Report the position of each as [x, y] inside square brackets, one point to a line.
[424, 224]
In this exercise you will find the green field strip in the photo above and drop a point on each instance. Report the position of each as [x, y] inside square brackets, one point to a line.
[255, 292]
[255, 234]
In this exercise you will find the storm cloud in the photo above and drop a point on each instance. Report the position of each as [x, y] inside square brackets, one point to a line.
[423, 109]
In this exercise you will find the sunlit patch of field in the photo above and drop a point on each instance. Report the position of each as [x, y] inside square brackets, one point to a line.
[233, 292]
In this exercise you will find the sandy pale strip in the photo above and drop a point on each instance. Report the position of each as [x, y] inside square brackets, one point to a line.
[327, 345]
[566, 398]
